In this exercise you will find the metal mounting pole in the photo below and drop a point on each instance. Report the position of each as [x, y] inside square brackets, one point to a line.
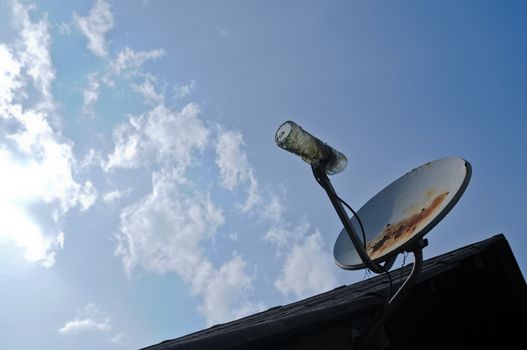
[323, 180]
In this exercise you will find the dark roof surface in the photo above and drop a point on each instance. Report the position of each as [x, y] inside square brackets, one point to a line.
[359, 301]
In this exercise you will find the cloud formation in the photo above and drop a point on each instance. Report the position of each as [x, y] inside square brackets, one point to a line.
[89, 319]
[162, 136]
[32, 144]
[148, 90]
[307, 269]
[33, 49]
[95, 25]
[112, 196]
[163, 233]
[234, 167]
[185, 89]
[120, 338]
[90, 94]
[167, 229]
[128, 61]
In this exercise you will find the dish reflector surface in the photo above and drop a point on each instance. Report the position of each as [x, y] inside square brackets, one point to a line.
[404, 211]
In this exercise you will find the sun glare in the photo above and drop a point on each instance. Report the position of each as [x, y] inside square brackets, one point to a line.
[17, 190]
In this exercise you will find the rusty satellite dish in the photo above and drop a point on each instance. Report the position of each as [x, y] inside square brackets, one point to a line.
[404, 211]
[397, 218]
[393, 221]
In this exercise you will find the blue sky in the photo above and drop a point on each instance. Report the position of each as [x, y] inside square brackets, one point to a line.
[142, 196]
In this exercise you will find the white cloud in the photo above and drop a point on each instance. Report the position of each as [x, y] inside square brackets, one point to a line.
[129, 61]
[231, 159]
[221, 294]
[307, 269]
[161, 136]
[234, 167]
[87, 195]
[92, 157]
[89, 319]
[114, 195]
[277, 235]
[95, 26]
[90, 93]
[184, 90]
[165, 230]
[148, 90]
[46, 153]
[34, 52]
[120, 338]
[281, 233]
[274, 209]
[284, 234]
[64, 28]
[31, 145]
[163, 233]
[10, 80]
[253, 194]
[18, 227]
[84, 325]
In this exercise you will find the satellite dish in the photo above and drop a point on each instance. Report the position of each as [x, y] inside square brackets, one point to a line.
[404, 211]
[395, 220]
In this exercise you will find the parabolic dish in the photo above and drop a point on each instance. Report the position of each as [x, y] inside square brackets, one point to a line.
[404, 211]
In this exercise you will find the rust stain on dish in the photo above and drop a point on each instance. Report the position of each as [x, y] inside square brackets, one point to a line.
[401, 230]
[430, 193]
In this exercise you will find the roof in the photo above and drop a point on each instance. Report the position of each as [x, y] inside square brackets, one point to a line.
[356, 302]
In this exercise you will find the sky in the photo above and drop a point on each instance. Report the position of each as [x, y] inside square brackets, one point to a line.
[142, 196]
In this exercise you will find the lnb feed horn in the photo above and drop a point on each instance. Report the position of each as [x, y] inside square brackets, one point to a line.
[291, 137]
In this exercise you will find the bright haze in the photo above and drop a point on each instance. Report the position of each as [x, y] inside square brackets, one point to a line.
[142, 196]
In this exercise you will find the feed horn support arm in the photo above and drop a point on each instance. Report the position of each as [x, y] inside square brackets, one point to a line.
[323, 180]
